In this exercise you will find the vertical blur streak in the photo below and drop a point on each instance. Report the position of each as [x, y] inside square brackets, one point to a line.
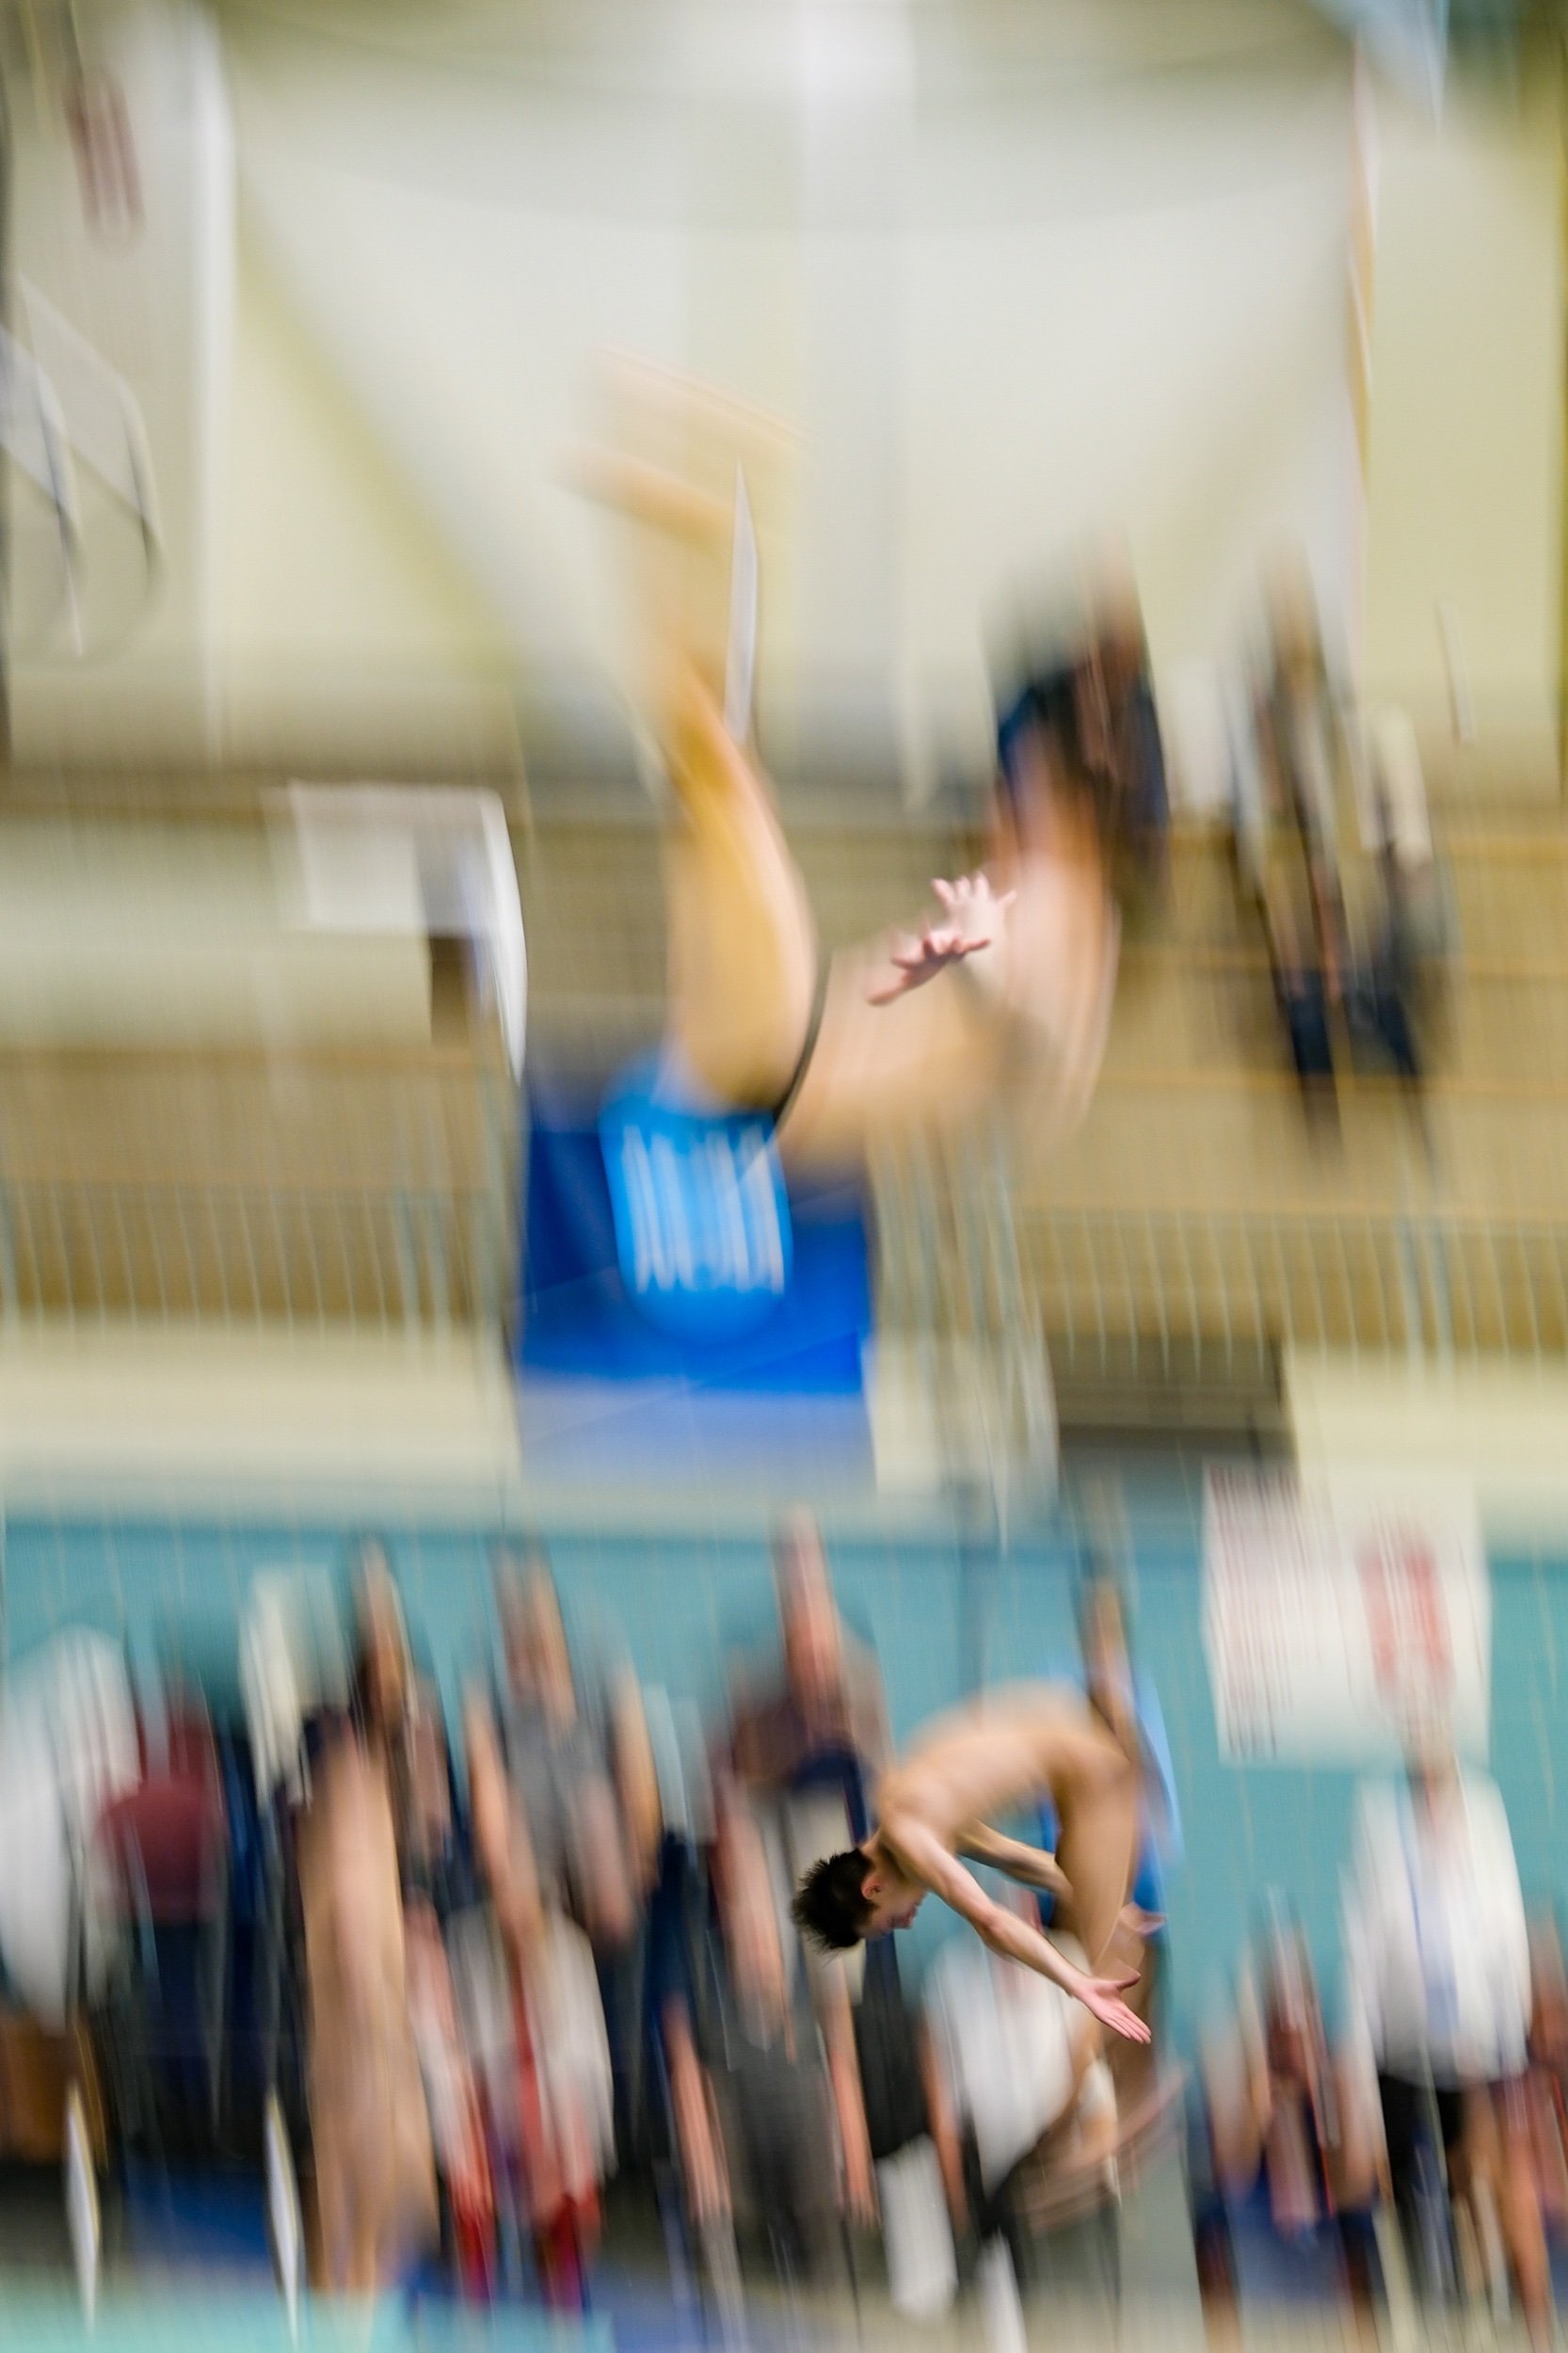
[7, 174]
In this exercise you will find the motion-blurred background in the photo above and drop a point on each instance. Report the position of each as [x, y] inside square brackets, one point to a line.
[330, 914]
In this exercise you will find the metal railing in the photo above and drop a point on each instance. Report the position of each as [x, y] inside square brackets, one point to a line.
[360, 1191]
[1160, 1289]
[257, 1254]
[954, 1289]
[1163, 1302]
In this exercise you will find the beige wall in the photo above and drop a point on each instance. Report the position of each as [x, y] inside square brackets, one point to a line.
[1045, 297]
[1498, 1424]
[346, 629]
[1465, 504]
[121, 1419]
[1033, 304]
[1000, 326]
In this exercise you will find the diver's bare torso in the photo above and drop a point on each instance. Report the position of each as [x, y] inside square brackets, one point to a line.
[1035, 1006]
[1001, 1754]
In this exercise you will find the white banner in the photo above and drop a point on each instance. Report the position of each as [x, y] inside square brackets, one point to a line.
[1333, 1614]
[398, 859]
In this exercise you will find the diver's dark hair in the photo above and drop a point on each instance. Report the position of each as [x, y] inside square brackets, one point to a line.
[831, 1906]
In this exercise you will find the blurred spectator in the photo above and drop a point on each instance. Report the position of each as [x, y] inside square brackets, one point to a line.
[398, 1714]
[1014, 2061]
[749, 2079]
[161, 1867]
[579, 1775]
[438, 1864]
[1291, 780]
[817, 1705]
[677, 1931]
[1403, 829]
[293, 1674]
[1438, 1973]
[573, 1736]
[453, 2096]
[1293, 2139]
[528, 2000]
[807, 1736]
[381, 1693]
[566, 2140]
[400, 1719]
[1548, 2072]
[561, 1836]
[1213, 2244]
[1120, 740]
[374, 2161]
[1395, 998]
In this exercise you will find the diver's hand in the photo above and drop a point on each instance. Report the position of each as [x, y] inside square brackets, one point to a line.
[1102, 1998]
[973, 918]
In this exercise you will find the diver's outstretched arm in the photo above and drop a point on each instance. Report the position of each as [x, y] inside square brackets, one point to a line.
[1029, 1867]
[974, 918]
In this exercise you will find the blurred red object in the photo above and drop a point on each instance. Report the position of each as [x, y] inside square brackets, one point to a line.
[165, 1842]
